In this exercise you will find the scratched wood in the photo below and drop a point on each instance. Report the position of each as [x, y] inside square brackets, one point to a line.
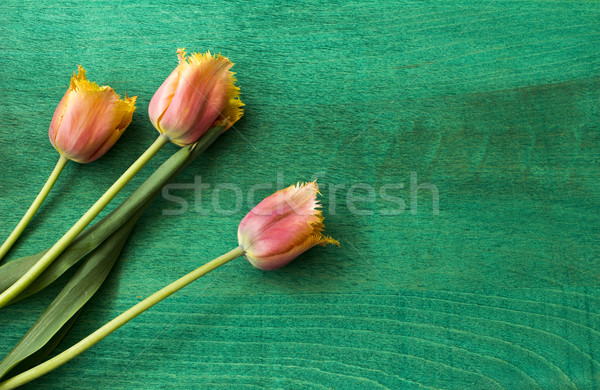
[493, 106]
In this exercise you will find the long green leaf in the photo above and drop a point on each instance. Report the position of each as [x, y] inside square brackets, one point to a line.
[38, 356]
[12, 271]
[95, 235]
[82, 286]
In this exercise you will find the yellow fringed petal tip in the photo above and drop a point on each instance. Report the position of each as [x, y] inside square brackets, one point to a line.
[80, 83]
[126, 106]
[233, 109]
[128, 101]
[181, 54]
[318, 226]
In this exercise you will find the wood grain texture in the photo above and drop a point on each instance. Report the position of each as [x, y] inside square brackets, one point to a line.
[496, 103]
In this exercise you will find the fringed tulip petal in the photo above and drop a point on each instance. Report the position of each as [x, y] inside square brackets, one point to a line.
[162, 98]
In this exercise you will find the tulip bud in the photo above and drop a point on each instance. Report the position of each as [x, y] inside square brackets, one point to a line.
[283, 226]
[199, 94]
[89, 119]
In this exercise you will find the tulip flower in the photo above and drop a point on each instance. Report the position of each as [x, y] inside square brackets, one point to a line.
[89, 119]
[275, 232]
[199, 94]
[87, 122]
[283, 226]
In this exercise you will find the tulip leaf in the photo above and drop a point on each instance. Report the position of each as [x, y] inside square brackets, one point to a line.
[82, 286]
[12, 271]
[38, 357]
[91, 238]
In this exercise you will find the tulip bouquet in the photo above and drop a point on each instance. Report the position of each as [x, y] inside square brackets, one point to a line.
[196, 103]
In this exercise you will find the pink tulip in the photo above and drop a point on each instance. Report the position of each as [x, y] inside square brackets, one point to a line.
[89, 119]
[283, 226]
[199, 94]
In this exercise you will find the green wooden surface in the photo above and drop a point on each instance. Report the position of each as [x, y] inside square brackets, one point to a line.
[496, 103]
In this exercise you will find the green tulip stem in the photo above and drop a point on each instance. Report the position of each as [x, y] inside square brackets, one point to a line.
[43, 263]
[14, 236]
[118, 321]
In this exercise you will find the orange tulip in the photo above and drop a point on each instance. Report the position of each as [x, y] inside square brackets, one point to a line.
[89, 119]
[199, 94]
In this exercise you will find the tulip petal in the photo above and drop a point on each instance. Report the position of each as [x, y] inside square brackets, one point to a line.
[126, 108]
[162, 98]
[233, 110]
[87, 123]
[57, 120]
[62, 106]
[278, 260]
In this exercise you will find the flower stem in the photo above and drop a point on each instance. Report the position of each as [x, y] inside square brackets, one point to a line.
[62, 161]
[70, 235]
[118, 321]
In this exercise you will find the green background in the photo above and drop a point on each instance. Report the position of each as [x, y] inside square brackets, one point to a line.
[494, 103]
